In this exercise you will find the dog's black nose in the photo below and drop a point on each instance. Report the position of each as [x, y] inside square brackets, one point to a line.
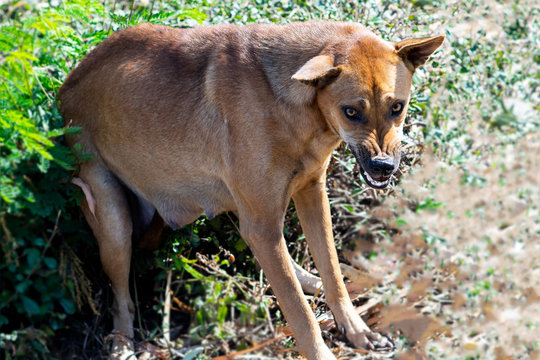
[382, 166]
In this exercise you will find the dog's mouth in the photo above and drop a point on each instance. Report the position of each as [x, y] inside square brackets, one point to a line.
[375, 182]
[380, 168]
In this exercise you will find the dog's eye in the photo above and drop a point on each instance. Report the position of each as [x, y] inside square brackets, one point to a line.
[352, 113]
[397, 108]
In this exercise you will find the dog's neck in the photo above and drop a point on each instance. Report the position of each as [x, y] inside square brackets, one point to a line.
[283, 50]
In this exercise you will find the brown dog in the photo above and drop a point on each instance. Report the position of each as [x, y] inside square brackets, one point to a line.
[238, 118]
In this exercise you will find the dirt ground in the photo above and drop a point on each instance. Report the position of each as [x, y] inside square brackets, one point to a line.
[461, 279]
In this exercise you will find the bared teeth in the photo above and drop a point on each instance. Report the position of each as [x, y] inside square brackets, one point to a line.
[375, 182]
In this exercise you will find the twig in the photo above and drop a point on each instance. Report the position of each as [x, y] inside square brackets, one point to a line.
[181, 353]
[476, 70]
[10, 94]
[236, 226]
[151, 10]
[9, 238]
[337, 10]
[246, 351]
[167, 310]
[42, 88]
[220, 272]
[269, 320]
[7, 233]
[139, 317]
[261, 287]
[30, 92]
[131, 11]
[112, 12]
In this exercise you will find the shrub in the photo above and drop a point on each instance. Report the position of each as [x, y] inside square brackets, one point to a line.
[40, 279]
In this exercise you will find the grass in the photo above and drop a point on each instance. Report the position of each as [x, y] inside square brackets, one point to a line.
[449, 256]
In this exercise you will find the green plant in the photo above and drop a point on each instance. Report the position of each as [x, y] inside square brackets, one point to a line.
[38, 284]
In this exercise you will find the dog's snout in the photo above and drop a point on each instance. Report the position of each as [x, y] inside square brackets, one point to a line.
[382, 166]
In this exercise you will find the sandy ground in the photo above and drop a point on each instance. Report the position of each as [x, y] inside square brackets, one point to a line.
[462, 278]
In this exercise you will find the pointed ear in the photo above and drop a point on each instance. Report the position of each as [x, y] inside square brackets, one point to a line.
[417, 51]
[317, 72]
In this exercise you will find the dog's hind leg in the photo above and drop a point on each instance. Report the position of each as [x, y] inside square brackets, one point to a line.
[309, 282]
[111, 224]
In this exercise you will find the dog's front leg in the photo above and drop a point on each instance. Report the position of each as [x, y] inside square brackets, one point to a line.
[265, 237]
[314, 213]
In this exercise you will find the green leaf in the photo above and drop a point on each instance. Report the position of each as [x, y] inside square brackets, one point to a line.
[192, 354]
[401, 222]
[22, 286]
[183, 263]
[240, 245]
[8, 192]
[73, 130]
[30, 306]
[428, 204]
[222, 313]
[50, 262]
[194, 14]
[43, 164]
[68, 305]
[3, 320]
[349, 208]
[199, 317]
[32, 257]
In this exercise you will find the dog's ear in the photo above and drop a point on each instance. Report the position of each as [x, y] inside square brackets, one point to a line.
[318, 71]
[417, 51]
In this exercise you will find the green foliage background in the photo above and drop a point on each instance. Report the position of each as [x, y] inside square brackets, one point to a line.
[41, 229]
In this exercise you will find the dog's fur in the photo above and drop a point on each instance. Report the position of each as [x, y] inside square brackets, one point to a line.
[237, 118]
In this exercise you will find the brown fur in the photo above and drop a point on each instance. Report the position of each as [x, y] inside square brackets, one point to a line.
[237, 118]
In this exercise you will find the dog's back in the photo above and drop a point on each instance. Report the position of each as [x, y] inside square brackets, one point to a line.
[181, 62]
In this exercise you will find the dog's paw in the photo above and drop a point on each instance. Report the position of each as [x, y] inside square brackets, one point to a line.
[361, 336]
[120, 347]
[358, 333]
[371, 340]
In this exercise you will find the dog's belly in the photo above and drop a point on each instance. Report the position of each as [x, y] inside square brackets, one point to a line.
[190, 200]
[180, 188]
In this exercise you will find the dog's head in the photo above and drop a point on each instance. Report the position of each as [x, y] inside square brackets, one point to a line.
[363, 93]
